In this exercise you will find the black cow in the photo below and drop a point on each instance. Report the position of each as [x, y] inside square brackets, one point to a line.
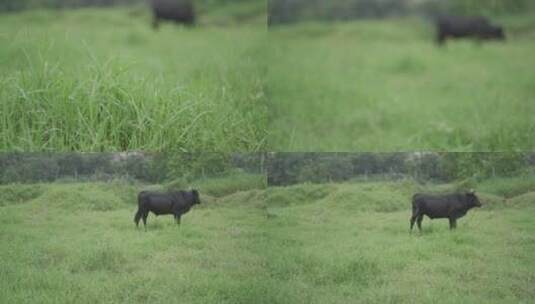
[458, 27]
[179, 11]
[176, 203]
[450, 206]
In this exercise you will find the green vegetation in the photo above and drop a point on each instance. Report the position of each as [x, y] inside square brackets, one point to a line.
[143, 167]
[307, 243]
[509, 187]
[103, 80]
[289, 168]
[225, 185]
[385, 86]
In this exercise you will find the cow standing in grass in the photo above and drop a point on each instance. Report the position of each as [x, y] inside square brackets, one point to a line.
[178, 11]
[450, 206]
[462, 27]
[176, 203]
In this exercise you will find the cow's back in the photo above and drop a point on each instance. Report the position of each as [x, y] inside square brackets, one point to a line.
[459, 26]
[177, 10]
[158, 203]
[435, 205]
[142, 198]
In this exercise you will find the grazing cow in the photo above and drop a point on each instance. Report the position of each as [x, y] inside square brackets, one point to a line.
[458, 27]
[179, 11]
[176, 203]
[450, 206]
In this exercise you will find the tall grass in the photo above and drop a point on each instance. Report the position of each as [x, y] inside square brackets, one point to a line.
[102, 80]
[383, 85]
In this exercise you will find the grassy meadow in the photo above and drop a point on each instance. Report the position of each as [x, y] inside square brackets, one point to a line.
[76, 242]
[348, 242]
[102, 80]
[383, 85]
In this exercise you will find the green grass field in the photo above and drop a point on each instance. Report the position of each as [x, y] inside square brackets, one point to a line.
[76, 242]
[308, 243]
[103, 80]
[383, 85]
[350, 243]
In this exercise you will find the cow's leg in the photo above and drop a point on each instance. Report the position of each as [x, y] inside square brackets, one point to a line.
[137, 217]
[415, 214]
[419, 222]
[155, 23]
[177, 218]
[441, 38]
[145, 215]
[453, 223]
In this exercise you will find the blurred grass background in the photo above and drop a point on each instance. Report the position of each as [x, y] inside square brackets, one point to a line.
[383, 85]
[359, 75]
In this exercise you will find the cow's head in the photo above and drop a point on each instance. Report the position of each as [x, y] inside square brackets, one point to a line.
[499, 33]
[196, 197]
[472, 199]
[496, 32]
